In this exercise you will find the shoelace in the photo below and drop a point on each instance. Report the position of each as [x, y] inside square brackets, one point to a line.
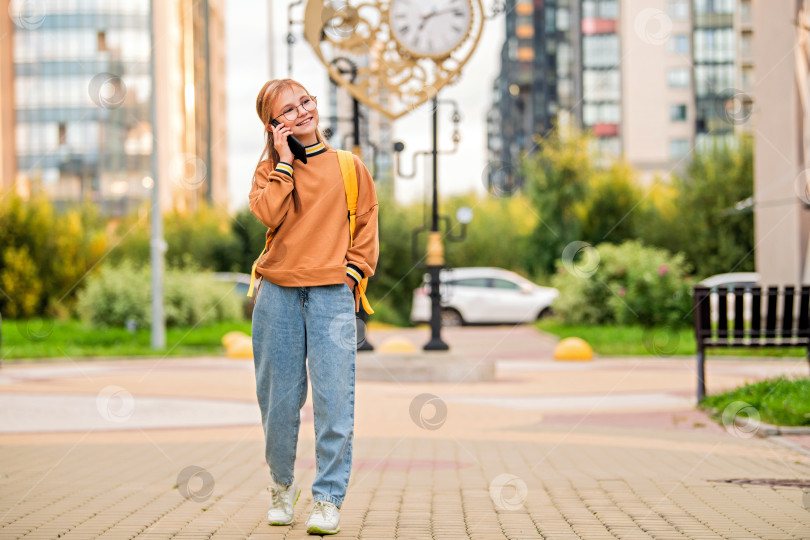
[279, 500]
[325, 510]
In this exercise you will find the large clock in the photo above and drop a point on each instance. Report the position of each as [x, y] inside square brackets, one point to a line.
[405, 51]
[430, 29]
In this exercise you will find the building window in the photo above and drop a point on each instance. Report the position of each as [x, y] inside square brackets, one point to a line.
[747, 77]
[678, 10]
[601, 85]
[711, 81]
[608, 9]
[714, 6]
[745, 45]
[678, 77]
[600, 50]
[678, 148]
[677, 113]
[600, 9]
[606, 113]
[563, 20]
[678, 44]
[745, 11]
[714, 45]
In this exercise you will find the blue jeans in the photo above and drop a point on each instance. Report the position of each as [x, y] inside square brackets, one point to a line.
[293, 326]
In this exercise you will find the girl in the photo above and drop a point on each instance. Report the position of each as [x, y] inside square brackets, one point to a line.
[307, 297]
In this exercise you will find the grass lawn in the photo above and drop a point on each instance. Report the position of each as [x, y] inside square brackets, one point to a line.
[46, 338]
[780, 401]
[637, 340]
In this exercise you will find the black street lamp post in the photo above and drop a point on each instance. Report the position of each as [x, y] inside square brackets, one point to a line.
[435, 247]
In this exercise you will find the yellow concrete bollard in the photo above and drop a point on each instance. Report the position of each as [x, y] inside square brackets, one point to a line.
[237, 345]
[573, 349]
[230, 337]
[397, 345]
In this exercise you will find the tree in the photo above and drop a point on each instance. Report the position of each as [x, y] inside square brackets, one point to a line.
[715, 236]
[556, 182]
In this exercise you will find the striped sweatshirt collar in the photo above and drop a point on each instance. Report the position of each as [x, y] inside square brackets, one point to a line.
[315, 149]
[312, 150]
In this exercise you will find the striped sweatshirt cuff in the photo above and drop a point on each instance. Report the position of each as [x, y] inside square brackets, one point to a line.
[285, 168]
[355, 273]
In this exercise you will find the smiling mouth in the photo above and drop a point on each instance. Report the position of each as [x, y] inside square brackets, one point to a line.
[305, 122]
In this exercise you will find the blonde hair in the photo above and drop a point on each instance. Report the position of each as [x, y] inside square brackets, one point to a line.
[264, 108]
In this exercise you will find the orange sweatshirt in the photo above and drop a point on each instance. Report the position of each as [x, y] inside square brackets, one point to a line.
[305, 205]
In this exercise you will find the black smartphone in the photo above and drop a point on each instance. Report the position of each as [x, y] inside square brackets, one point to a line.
[297, 148]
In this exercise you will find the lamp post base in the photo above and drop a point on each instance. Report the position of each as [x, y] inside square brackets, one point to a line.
[436, 344]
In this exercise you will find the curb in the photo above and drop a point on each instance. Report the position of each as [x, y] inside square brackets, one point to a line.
[787, 444]
[763, 429]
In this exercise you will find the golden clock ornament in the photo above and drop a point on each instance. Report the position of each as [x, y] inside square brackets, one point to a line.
[404, 51]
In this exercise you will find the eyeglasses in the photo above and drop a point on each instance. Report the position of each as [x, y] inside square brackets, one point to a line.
[291, 113]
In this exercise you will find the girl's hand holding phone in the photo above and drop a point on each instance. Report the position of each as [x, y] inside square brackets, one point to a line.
[280, 134]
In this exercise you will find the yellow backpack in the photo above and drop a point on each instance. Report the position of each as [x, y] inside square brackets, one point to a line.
[346, 160]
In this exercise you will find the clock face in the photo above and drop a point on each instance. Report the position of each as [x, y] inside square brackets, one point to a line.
[432, 29]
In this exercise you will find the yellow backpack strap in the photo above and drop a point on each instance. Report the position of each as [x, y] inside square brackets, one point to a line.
[253, 274]
[349, 173]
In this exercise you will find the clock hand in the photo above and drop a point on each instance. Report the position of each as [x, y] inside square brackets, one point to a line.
[433, 14]
[424, 20]
[451, 10]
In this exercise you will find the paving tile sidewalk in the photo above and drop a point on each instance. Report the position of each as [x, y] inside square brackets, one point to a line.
[620, 454]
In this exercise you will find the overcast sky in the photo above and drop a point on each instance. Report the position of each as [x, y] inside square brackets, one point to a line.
[248, 68]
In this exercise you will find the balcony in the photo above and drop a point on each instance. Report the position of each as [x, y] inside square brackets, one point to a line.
[714, 20]
[598, 26]
[606, 130]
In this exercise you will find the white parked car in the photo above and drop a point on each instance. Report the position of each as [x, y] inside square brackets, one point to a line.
[483, 295]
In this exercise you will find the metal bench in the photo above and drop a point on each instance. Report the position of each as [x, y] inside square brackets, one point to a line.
[786, 318]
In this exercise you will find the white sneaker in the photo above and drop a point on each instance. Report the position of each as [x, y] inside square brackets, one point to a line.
[282, 502]
[324, 519]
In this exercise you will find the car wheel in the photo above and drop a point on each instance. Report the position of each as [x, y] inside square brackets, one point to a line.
[451, 317]
[545, 312]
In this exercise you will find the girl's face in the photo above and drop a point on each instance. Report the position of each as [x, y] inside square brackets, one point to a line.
[304, 123]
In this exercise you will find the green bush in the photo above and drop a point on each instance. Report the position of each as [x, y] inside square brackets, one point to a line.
[122, 292]
[45, 255]
[20, 282]
[623, 284]
[209, 237]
